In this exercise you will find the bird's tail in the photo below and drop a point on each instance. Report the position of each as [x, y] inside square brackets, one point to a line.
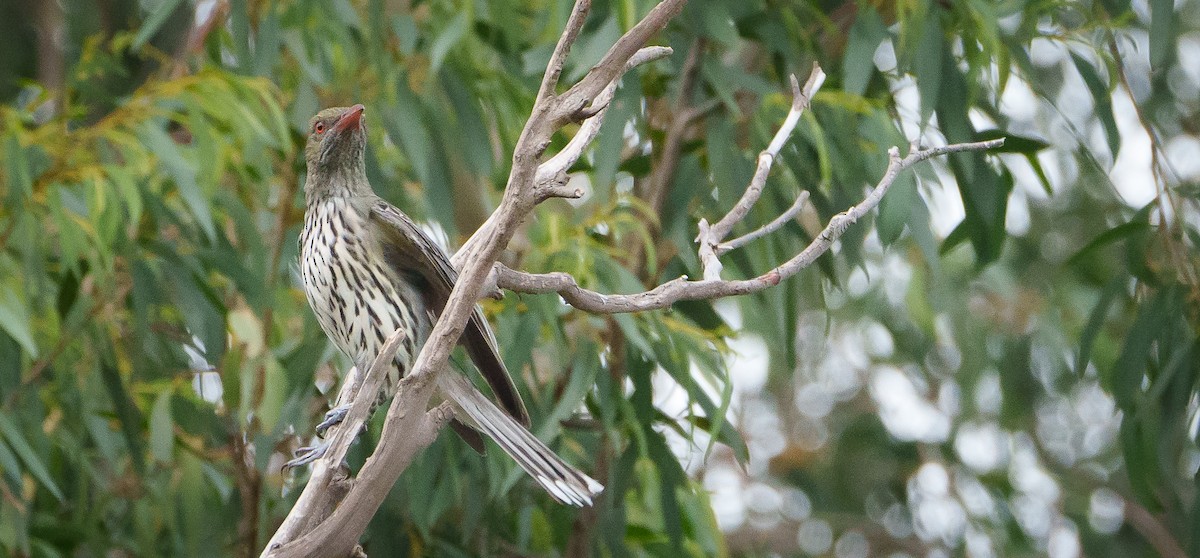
[565, 483]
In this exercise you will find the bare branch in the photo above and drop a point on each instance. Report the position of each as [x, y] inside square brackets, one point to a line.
[610, 66]
[766, 229]
[801, 98]
[711, 235]
[682, 289]
[551, 175]
[558, 58]
[408, 428]
[340, 531]
[317, 501]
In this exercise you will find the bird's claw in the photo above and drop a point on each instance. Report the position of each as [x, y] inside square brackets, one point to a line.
[307, 455]
[334, 417]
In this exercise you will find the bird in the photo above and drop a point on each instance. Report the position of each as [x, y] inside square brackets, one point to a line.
[368, 269]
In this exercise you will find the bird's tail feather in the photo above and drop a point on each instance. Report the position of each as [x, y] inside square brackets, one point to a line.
[565, 483]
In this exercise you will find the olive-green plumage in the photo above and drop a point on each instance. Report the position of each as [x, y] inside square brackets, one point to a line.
[368, 270]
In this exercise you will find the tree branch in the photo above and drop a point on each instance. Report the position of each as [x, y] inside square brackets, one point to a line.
[609, 67]
[552, 174]
[327, 485]
[558, 58]
[712, 235]
[681, 288]
[330, 521]
[766, 229]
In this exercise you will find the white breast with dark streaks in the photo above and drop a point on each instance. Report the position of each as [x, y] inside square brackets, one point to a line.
[356, 301]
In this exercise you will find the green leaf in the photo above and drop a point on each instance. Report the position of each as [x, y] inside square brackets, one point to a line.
[183, 174]
[474, 142]
[199, 308]
[10, 467]
[928, 65]
[1162, 36]
[23, 450]
[1124, 381]
[446, 40]
[20, 177]
[162, 428]
[1115, 8]
[608, 149]
[1138, 447]
[405, 125]
[267, 42]
[1096, 321]
[718, 25]
[1040, 172]
[858, 64]
[1017, 383]
[983, 189]
[1103, 99]
[957, 236]
[896, 208]
[127, 412]
[1115, 234]
[158, 15]
[14, 319]
[1012, 142]
[726, 434]
[672, 477]
[406, 32]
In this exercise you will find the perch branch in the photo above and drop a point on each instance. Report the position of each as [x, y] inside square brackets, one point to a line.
[317, 499]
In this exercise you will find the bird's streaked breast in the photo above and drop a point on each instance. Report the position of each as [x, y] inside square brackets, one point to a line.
[358, 303]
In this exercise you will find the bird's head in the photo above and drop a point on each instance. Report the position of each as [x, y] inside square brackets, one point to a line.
[337, 139]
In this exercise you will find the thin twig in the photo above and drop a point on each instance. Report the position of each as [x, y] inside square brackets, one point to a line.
[551, 175]
[610, 66]
[766, 229]
[801, 98]
[558, 58]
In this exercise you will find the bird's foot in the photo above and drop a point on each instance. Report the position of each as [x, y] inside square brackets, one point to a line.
[334, 417]
[307, 455]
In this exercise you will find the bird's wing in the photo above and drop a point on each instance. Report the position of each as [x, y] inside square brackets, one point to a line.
[411, 253]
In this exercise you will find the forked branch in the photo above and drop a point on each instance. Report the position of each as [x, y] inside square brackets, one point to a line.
[682, 288]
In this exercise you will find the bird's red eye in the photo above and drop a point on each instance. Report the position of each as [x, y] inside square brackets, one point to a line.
[319, 127]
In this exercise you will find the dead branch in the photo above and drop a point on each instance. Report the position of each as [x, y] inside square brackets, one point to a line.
[712, 235]
[777, 223]
[327, 483]
[552, 174]
[681, 288]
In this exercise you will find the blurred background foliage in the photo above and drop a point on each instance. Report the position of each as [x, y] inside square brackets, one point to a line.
[1002, 362]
